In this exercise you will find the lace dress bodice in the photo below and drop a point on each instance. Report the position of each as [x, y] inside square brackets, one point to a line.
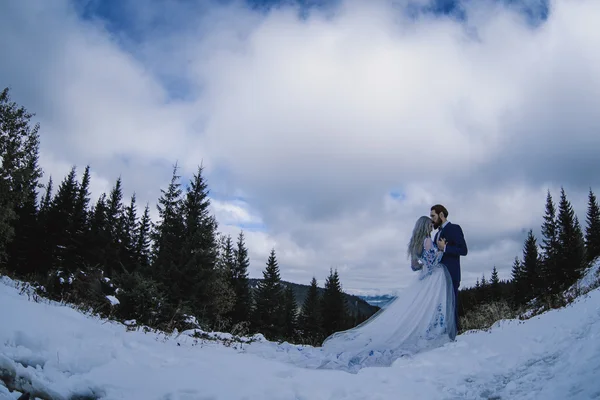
[430, 258]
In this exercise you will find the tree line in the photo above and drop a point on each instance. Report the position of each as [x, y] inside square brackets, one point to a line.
[548, 267]
[176, 272]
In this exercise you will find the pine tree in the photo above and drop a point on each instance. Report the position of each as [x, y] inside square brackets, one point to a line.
[44, 250]
[47, 200]
[484, 282]
[484, 290]
[571, 254]
[580, 251]
[495, 285]
[592, 231]
[99, 234]
[240, 283]
[168, 232]
[24, 255]
[116, 227]
[61, 227]
[196, 276]
[550, 247]
[531, 274]
[225, 295]
[334, 307]
[19, 173]
[227, 253]
[142, 247]
[130, 257]
[517, 270]
[310, 315]
[268, 314]
[81, 220]
[290, 311]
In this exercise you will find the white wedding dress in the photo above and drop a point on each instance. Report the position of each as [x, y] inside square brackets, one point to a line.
[420, 318]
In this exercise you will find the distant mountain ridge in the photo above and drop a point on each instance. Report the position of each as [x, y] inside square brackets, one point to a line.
[355, 303]
[378, 300]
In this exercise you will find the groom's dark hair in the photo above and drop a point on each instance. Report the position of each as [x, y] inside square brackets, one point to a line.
[440, 209]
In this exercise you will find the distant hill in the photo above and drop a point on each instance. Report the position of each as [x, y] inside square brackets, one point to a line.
[355, 303]
[379, 301]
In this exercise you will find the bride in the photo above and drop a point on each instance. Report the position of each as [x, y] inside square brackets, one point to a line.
[420, 318]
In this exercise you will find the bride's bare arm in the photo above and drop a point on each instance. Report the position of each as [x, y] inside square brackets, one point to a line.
[428, 243]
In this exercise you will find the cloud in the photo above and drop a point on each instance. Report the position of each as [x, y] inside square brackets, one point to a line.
[306, 125]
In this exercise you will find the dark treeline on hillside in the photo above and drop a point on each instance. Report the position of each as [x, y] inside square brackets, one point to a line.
[545, 271]
[165, 275]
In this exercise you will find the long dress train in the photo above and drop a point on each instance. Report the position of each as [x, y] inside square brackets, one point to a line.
[420, 318]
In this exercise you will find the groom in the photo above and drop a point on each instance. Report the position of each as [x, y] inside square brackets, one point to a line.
[451, 241]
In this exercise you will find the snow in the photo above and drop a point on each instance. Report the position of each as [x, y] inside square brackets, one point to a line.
[589, 280]
[113, 300]
[53, 349]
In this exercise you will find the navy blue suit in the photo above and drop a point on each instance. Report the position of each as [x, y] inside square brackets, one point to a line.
[455, 247]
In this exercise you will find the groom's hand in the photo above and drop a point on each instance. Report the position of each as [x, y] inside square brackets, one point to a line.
[441, 244]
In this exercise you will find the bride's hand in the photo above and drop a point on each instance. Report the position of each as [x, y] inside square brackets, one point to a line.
[416, 266]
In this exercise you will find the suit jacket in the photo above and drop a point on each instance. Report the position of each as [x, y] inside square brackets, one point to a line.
[455, 247]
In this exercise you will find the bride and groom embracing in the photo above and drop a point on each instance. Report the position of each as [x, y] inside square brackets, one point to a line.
[443, 251]
[423, 316]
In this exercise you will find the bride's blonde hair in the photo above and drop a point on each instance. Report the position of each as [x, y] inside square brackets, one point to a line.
[422, 230]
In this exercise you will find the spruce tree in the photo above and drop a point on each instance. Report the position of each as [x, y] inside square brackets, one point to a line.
[47, 199]
[240, 283]
[484, 290]
[99, 234]
[81, 221]
[44, 250]
[24, 254]
[227, 254]
[225, 295]
[532, 283]
[268, 313]
[550, 247]
[580, 251]
[495, 285]
[290, 319]
[143, 244]
[61, 228]
[130, 257]
[116, 226]
[196, 276]
[571, 254]
[19, 173]
[484, 282]
[592, 231]
[310, 323]
[519, 282]
[334, 307]
[168, 232]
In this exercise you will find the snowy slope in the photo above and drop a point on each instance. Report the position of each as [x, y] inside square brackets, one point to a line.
[64, 353]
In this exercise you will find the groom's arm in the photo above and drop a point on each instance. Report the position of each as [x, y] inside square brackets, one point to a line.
[459, 248]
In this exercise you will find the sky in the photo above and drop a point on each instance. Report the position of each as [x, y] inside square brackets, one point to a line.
[325, 131]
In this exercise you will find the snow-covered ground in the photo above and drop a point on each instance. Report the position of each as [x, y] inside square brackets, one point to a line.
[64, 353]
